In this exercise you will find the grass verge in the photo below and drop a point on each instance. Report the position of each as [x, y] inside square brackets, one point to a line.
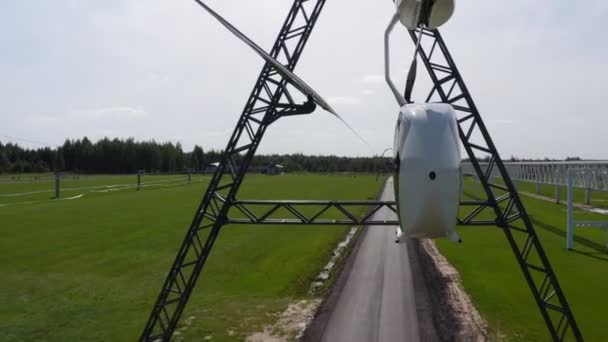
[494, 280]
[90, 269]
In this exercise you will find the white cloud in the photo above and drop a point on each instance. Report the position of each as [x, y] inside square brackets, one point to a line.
[373, 79]
[368, 92]
[502, 122]
[218, 133]
[109, 113]
[42, 120]
[343, 100]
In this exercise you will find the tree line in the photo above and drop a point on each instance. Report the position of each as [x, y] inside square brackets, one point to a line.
[130, 156]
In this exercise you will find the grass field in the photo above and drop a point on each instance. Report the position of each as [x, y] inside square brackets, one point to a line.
[89, 269]
[18, 190]
[492, 276]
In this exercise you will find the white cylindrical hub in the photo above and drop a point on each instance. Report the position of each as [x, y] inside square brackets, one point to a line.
[413, 13]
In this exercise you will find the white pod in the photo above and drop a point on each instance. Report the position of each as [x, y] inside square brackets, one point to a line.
[428, 170]
[412, 12]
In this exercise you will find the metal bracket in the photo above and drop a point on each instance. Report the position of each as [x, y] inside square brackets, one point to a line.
[294, 109]
[387, 61]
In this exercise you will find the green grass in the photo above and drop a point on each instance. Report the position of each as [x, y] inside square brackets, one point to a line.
[492, 276]
[90, 269]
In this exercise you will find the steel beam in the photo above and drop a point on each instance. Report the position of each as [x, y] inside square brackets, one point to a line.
[304, 212]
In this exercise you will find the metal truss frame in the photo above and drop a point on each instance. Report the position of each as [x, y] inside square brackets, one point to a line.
[502, 202]
[310, 212]
[290, 212]
[594, 177]
[271, 100]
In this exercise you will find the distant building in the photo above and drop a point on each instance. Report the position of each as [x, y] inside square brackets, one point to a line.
[211, 167]
[273, 169]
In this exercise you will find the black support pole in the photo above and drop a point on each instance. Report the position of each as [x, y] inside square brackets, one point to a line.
[57, 185]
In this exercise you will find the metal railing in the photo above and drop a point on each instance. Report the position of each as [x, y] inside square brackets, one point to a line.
[556, 173]
[595, 177]
[572, 223]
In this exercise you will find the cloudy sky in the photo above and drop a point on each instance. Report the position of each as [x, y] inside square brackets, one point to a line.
[165, 70]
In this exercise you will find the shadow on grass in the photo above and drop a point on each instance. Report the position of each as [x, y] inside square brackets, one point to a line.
[600, 250]
[592, 255]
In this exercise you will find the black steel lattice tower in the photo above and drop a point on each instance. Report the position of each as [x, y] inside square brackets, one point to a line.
[270, 100]
[502, 205]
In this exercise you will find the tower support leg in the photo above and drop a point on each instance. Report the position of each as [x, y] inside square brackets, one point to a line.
[502, 199]
[263, 107]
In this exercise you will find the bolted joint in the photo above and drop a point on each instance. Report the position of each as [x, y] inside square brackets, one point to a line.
[295, 109]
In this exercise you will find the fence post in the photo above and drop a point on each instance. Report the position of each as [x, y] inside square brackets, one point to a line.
[570, 215]
[57, 185]
[588, 196]
[558, 193]
[139, 180]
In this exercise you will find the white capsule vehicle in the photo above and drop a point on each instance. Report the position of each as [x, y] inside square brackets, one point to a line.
[427, 175]
[426, 149]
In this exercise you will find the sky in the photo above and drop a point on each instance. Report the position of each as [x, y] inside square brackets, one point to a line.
[166, 70]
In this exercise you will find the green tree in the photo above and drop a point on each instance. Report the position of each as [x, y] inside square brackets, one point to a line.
[197, 158]
[5, 164]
